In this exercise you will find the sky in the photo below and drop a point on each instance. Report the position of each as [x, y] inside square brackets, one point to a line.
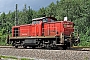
[9, 5]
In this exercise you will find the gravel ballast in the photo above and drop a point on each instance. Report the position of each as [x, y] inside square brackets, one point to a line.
[47, 54]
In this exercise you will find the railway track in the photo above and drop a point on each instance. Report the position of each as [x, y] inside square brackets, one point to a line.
[72, 48]
[75, 53]
[6, 46]
[80, 48]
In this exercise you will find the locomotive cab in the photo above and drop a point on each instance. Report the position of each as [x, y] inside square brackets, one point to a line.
[43, 20]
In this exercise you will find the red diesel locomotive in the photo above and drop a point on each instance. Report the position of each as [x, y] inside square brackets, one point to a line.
[44, 32]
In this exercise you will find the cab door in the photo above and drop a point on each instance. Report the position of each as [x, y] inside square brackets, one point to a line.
[37, 28]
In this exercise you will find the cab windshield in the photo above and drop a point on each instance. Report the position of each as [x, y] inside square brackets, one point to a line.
[48, 20]
[45, 20]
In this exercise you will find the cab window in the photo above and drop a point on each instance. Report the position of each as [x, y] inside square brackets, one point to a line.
[48, 20]
[36, 22]
[45, 20]
[52, 20]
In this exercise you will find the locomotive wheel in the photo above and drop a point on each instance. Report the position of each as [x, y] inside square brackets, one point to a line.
[64, 47]
[60, 48]
[24, 46]
[16, 46]
[75, 44]
[33, 47]
[48, 46]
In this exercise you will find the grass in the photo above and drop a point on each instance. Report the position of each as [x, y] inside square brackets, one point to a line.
[26, 59]
[14, 58]
[8, 57]
[86, 58]
[2, 43]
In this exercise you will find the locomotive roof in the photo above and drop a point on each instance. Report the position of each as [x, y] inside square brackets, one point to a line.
[43, 18]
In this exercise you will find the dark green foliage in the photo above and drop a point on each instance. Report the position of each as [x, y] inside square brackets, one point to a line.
[77, 11]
